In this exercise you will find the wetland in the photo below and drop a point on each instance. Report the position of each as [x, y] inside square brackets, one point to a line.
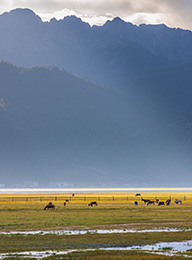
[113, 229]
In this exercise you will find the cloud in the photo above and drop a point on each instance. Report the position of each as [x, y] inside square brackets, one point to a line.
[174, 13]
[177, 13]
[144, 18]
[89, 7]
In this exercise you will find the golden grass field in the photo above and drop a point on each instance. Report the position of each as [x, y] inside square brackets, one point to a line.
[24, 212]
[118, 196]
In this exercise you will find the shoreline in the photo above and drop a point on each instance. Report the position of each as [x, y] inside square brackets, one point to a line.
[92, 190]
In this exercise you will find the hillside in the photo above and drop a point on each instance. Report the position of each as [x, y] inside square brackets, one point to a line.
[58, 128]
[130, 128]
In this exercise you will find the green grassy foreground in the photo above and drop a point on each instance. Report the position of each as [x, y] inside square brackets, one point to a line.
[33, 217]
[107, 255]
[17, 216]
[54, 242]
[111, 255]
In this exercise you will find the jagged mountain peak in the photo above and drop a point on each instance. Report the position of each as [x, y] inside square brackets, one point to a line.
[117, 21]
[76, 46]
[72, 19]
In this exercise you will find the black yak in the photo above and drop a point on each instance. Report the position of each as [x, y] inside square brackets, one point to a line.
[167, 202]
[178, 201]
[49, 206]
[145, 201]
[151, 202]
[93, 203]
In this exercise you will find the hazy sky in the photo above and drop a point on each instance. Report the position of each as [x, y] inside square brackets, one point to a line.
[174, 13]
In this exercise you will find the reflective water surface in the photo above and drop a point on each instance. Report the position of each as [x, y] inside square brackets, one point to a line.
[170, 248]
[98, 231]
[71, 190]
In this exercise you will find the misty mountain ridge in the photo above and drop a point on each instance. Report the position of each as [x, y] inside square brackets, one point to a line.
[93, 52]
[131, 128]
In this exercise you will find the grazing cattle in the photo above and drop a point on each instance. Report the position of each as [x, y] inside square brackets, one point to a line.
[93, 203]
[178, 201]
[161, 203]
[135, 203]
[138, 194]
[49, 206]
[157, 201]
[145, 201]
[65, 202]
[151, 202]
[167, 202]
[73, 194]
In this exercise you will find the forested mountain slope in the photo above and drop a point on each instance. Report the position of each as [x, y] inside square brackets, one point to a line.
[56, 127]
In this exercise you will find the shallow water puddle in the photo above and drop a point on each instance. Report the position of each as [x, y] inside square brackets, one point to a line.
[41, 254]
[36, 254]
[176, 246]
[171, 248]
[96, 231]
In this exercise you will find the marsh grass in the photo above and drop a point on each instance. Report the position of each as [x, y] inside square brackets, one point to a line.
[32, 216]
[18, 243]
[106, 255]
[114, 255]
[29, 215]
[166, 248]
[26, 215]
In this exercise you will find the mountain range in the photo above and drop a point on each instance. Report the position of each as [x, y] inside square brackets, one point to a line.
[93, 52]
[131, 127]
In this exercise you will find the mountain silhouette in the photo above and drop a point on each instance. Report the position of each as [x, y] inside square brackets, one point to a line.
[95, 52]
[132, 127]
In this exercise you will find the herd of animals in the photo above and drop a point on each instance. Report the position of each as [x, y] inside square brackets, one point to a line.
[158, 202]
[146, 201]
[51, 206]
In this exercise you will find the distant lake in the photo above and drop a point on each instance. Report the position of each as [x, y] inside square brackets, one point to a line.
[83, 190]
